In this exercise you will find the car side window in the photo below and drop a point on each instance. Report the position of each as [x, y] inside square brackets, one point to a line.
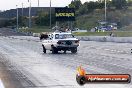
[52, 36]
[61, 36]
[57, 36]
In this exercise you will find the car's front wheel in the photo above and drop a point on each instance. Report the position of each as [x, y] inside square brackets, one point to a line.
[54, 50]
[74, 50]
[44, 49]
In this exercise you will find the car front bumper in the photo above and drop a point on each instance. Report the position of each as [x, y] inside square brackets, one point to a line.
[66, 47]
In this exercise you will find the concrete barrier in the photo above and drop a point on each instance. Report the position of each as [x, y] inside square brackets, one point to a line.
[36, 34]
[106, 39]
[100, 38]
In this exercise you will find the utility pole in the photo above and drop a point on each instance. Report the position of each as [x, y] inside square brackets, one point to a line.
[50, 14]
[105, 11]
[30, 14]
[38, 3]
[22, 9]
[17, 17]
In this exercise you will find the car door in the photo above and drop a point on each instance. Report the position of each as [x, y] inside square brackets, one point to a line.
[45, 43]
[49, 43]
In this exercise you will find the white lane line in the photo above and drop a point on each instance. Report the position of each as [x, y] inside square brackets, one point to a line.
[1, 84]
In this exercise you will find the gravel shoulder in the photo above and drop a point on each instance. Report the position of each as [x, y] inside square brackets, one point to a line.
[8, 78]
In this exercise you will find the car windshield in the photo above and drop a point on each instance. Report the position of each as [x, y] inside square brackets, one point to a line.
[63, 36]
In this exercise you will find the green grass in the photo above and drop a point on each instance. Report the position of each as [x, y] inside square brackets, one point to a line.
[88, 21]
[124, 34]
[90, 33]
[118, 34]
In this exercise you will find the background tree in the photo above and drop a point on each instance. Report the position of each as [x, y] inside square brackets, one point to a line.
[75, 4]
[129, 2]
[22, 21]
[119, 4]
[89, 7]
[43, 19]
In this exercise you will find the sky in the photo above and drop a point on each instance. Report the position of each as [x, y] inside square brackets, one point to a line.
[11, 4]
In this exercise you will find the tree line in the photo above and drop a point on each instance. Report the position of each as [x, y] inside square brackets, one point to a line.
[43, 18]
[88, 7]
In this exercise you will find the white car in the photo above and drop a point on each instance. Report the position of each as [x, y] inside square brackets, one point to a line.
[60, 41]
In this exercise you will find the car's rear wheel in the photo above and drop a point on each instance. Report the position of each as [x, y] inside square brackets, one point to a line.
[74, 50]
[64, 51]
[54, 50]
[44, 49]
